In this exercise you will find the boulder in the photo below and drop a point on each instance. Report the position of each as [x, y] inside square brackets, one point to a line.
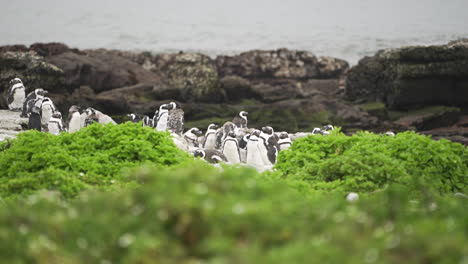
[412, 77]
[32, 69]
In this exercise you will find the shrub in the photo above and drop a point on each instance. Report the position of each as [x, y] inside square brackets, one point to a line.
[198, 214]
[367, 162]
[93, 156]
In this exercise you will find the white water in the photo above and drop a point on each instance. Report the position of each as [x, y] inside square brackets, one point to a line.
[346, 29]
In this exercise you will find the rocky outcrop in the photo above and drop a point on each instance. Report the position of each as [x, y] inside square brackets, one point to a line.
[11, 124]
[413, 77]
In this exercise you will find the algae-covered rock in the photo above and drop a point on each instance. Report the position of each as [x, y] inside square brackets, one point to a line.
[413, 76]
[31, 68]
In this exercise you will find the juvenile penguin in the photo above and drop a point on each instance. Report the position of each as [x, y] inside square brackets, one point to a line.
[211, 156]
[175, 119]
[191, 137]
[34, 121]
[47, 110]
[210, 137]
[231, 148]
[284, 141]
[253, 155]
[241, 120]
[223, 132]
[31, 100]
[55, 125]
[162, 117]
[74, 119]
[16, 95]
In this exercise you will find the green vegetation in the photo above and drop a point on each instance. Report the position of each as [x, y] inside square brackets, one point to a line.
[93, 156]
[161, 206]
[367, 162]
[200, 214]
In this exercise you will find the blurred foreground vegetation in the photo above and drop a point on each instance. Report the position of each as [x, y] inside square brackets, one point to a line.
[165, 207]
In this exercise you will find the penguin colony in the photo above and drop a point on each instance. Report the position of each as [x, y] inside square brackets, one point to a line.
[233, 142]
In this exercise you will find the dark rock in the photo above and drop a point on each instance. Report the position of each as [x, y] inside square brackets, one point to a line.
[13, 48]
[238, 88]
[412, 77]
[52, 49]
[32, 69]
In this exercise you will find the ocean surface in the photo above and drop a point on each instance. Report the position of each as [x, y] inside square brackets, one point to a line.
[348, 29]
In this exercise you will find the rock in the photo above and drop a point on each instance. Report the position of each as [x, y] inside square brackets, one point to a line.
[32, 69]
[238, 88]
[412, 77]
[101, 70]
[430, 118]
[14, 48]
[11, 124]
[52, 49]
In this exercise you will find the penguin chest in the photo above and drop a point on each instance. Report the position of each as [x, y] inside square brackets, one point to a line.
[210, 142]
[53, 128]
[231, 151]
[47, 112]
[75, 123]
[162, 122]
[253, 156]
[19, 96]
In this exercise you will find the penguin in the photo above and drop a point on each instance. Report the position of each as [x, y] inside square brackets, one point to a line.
[134, 118]
[328, 128]
[241, 119]
[191, 137]
[253, 156]
[155, 119]
[390, 133]
[175, 119]
[269, 149]
[223, 132]
[210, 137]
[243, 147]
[210, 155]
[320, 131]
[284, 141]
[162, 117]
[47, 110]
[34, 121]
[100, 117]
[16, 95]
[31, 100]
[147, 121]
[74, 119]
[231, 148]
[55, 124]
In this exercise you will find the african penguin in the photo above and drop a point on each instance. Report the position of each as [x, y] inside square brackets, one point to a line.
[320, 131]
[16, 95]
[147, 121]
[155, 119]
[175, 119]
[243, 147]
[231, 148]
[390, 133]
[253, 156]
[284, 141]
[191, 137]
[74, 119]
[34, 121]
[31, 100]
[47, 110]
[162, 117]
[100, 117]
[223, 132]
[241, 120]
[210, 137]
[134, 118]
[328, 128]
[270, 147]
[55, 124]
[210, 155]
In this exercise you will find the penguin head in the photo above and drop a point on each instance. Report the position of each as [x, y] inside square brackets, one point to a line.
[199, 153]
[73, 109]
[213, 126]
[196, 131]
[90, 111]
[57, 114]
[172, 105]
[40, 92]
[15, 81]
[132, 116]
[268, 130]
[216, 159]
[316, 131]
[328, 127]
[256, 132]
[232, 134]
[390, 133]
[164, 107]
[243, 114]
[284, 135]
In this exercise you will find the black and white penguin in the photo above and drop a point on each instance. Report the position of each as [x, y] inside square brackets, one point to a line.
[328, 128]
[223, 132]
[241, 119]
[34, 121]
[210, 155]
[74, 119]
[100, 117]
[134, 118]
[253, 155]
[319, 131]
[231, 148]
[47, 110]
[155, 119]
[55, 124]
[31, 100]
[175, 119]
[16, 95]
[147, 121]
[191, 137]
[390, 133]
[210, 137]
[163, 115]
[270, 147]
[284, 141]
